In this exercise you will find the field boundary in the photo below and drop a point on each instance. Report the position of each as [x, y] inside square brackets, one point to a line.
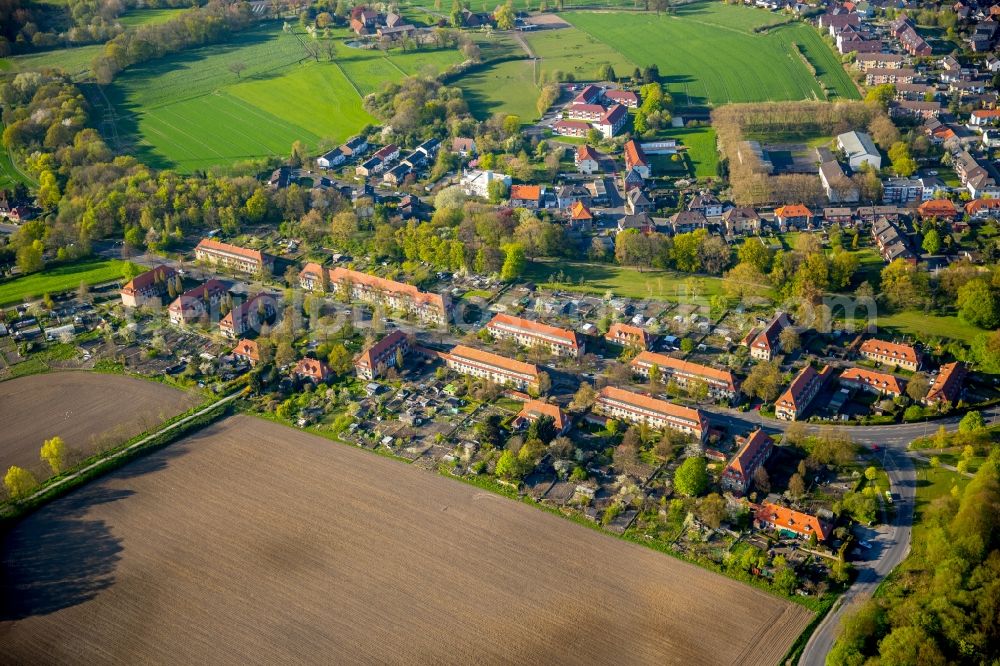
[109, 460]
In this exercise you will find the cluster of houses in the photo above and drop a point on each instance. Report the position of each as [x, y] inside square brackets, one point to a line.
[367, 22]
[596, 108]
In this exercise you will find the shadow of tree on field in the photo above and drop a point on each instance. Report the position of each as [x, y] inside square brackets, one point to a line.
[57, 559]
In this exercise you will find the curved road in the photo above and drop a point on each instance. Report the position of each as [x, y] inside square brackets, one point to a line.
[890, 543]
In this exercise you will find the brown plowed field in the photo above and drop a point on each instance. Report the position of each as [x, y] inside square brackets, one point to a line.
[88, 410]
[251, 543]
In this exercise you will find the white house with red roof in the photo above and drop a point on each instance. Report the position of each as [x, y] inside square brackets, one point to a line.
[616, 403]
[793, 403]
[148, 288]
[376, 359]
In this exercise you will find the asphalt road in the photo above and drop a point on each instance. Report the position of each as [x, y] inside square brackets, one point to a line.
[890, 543]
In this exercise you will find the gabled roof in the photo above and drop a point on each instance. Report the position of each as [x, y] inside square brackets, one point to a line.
[767, 339]
[619, 330]
[654, 404]
[895, 350]
[634, 155]
[789, 519]
[792, 210]
[613, 115]
[525, 192]
[530, 327]
[802, 381]
[622, 96]
[648, 358]
[742, 462]
[462, 352]
[312, 368]
[948, 384]
[370, 355]
[211, 245]
[534, 409]
[878, 380]
[147, 279]
[978, 205]
[247, 348]
[586, 152]
[579, 211]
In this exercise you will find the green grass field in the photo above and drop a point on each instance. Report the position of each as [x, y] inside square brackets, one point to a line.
[9, 176]
[506, 87]
[709, 55]
[136, 17]
[191, 111]
[622, 281]
[573, 51]
[74, 60]
[59, 279]
[701, 148]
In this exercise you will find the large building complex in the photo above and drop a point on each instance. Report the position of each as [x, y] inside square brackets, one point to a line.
[891, 353]
[800, 393]
[947, 386]
[739, 473]
[535, 334]
[633, 407]
[492, 367]
[379, 357]
[428, 307]
[248, 316]
[721, 383]
[196, 303]
[233, 257]
[148, 288]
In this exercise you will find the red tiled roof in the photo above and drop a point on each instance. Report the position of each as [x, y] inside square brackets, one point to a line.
[793, 210]
[741, 462]
[525, 192]
[986, 113]
[654, 404]
[211, 245]
[893, 350]
[937, 208]
[766, 338]
[634, 155]
[530, 327]
[879, 380]
[948, 384]
[977, 205]
[613, 114]
[622, 96]
[247, 348]
[669, 362]
[338, 275]
[586, 152]
[495, 360]
[144, 280]
[581, 109]
[368, 356]
[532, 409]
[310, 367]
[628, 331]
[572, 124]
[788, 519]
[579, 211]
[808, 374]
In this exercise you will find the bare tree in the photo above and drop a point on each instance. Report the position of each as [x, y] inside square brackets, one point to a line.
[237, 68]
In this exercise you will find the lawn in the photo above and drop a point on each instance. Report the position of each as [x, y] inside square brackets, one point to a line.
[922, 326]
[709, 55]
[136, 17]
[9, 176]
[74, 60]
[931, 484]
[190, 111]
[621, 281]
[701, 148]
[573, 51]
[61, 278]
[506, 87]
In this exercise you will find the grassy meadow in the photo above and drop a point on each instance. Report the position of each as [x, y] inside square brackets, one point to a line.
[506, 87]
[573, 51]
[191, 111]
[60, 278]
[709, 54]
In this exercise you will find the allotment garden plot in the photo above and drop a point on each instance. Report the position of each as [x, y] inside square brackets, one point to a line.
[255, 543]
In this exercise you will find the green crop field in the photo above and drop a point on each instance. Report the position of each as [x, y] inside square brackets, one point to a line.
[191, 111]
[506, 87]
[573, 51]
[708, 54]
[60, 278]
